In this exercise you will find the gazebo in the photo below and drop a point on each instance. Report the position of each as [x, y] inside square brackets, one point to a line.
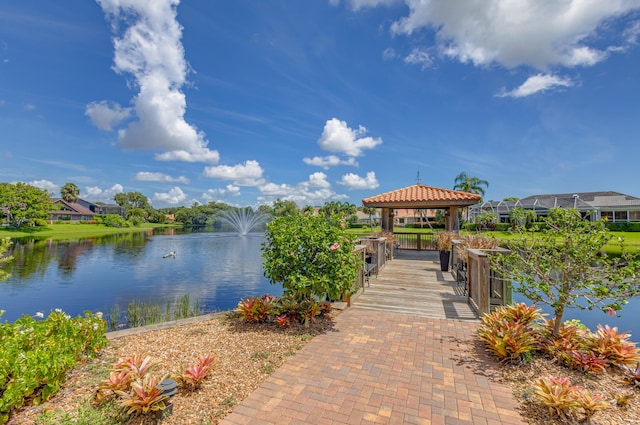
[420, 196]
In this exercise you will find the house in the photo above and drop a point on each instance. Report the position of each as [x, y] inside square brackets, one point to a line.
[409, 217]
[614, 206]
[368, 219]
[82, 210]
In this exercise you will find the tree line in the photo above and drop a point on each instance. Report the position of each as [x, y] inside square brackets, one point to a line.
[24, 205]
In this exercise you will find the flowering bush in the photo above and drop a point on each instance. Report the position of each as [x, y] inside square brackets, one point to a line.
[36, 354]
[311, 256]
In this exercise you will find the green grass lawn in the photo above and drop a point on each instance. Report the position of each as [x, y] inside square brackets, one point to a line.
[631, 239]
[73, 231]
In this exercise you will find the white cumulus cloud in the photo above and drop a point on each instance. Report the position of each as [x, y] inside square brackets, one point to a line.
[96, 194]
[318, 180]
[535, 84]
[247, 174]
[354, 181]
[329, 161]
[150, 50]
[146, 176]
[537, 33]
[46, 185]
[337, 136]
[174, 196]
[216, 194]
[106, 115]
[314, 191]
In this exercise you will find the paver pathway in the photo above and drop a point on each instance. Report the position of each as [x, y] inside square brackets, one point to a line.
[384, 368]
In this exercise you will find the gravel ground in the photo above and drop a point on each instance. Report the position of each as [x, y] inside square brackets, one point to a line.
[247, 354]
[611, 384]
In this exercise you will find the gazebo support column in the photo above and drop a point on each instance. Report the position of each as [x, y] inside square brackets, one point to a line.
[452, 223]
[387, 223]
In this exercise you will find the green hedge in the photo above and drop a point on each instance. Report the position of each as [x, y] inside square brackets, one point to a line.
[35, 355]
[624, 226]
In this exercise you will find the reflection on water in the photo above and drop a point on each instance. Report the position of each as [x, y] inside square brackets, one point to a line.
[628, 320]
[94, 274]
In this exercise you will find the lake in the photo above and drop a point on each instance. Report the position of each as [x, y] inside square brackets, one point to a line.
[628, 319]
[97, 273]
[217, 268]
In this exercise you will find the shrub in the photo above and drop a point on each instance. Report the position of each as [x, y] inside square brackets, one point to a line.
[555, 266]
[509, 333]
[36, 354]
[311, 256]
[501, 227]
[471, 227]
[145, 396]
[257, 309]
[563, 399]
[194, 375]
[615, 347]
[557, 394]
[624, 226]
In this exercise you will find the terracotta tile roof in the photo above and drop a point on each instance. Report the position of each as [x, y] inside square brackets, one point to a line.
[420, 194]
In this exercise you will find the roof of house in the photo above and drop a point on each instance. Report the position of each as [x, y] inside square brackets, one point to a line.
[422, 196]
[73, 208]
[584, 201]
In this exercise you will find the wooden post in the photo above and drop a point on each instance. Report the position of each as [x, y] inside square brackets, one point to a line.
[387, 224]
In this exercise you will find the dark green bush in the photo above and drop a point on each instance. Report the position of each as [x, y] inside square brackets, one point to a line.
[624, 226]
[472, 227]
[501, 227]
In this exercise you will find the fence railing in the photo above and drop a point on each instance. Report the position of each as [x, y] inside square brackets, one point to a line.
[486, 289]
[417, 241]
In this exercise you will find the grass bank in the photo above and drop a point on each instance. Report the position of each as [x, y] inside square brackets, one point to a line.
[631, 239]
[75, 231]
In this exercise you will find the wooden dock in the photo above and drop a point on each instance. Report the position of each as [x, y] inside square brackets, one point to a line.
[413, 284]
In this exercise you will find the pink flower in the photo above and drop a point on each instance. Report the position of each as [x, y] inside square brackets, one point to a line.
[334, 246]
[611, 312]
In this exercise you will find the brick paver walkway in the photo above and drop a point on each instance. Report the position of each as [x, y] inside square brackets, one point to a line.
[384, 368]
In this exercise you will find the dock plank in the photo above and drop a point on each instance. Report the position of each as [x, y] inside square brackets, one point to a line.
[413, 284]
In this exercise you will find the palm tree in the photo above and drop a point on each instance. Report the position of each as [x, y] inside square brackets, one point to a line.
[70, 192]
[370, 211]
[467, 183]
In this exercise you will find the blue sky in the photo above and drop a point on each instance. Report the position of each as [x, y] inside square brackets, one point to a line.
[318, 100]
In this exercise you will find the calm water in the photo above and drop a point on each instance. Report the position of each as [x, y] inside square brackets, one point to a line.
[628, 320]
[94, 274]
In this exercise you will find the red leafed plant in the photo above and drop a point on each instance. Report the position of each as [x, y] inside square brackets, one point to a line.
[145, 396]
[257, 309]
[194, 375]
[283, 320]
[590, 403]
[607, 343]
[137, 365]
[557, 394]
[118, 380]
[586, 361]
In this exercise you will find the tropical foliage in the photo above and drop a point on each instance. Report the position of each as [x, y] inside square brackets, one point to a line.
[466, 183]
[313, 257]
[563, 266]
[36, 354]
[24, 205]
[70, 192]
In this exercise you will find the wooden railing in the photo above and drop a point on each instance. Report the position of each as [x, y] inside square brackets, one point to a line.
[417, 241]
[485, 288]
